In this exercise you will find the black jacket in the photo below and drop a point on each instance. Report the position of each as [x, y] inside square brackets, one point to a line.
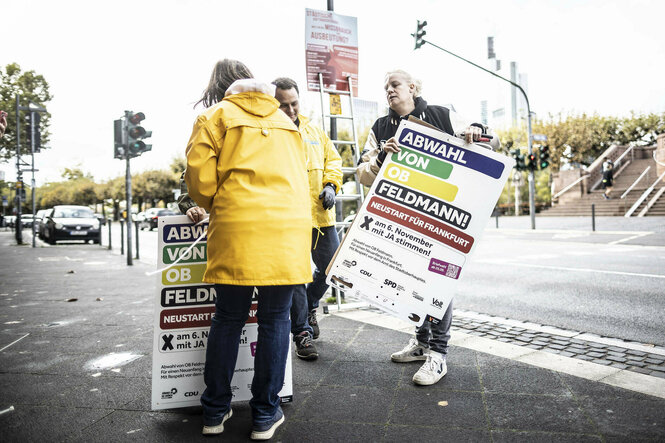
[386, 127]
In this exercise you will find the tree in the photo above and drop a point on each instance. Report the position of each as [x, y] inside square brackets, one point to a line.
[32, 87]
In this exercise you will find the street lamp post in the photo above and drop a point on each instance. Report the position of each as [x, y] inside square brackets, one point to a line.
[531, 178]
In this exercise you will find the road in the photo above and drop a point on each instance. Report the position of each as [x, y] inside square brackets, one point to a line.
[609, 289]
[599, 282]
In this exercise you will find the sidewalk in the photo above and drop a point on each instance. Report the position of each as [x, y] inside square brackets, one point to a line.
[52, 391]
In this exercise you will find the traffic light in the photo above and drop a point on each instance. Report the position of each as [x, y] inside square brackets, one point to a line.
[136, 133]
[544, 157]
[420, 33]
[120, 139]
[34, 138]
[532, 162]
[520, 164]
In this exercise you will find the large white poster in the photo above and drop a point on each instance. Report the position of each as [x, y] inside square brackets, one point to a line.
[331, 42]
[184, 310]
[419, 224]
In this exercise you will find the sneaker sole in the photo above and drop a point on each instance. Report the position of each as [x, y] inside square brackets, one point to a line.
[427, 382]
[267, 435]
[408, 359]
[307, 357]
[216, 430]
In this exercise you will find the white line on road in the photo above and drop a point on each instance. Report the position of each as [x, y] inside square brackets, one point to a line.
[14, 342]
[562, 268]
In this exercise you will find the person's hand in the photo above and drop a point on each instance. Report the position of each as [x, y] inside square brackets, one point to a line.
[327, 196]
[3, 122]
[389, 146]
[472, 134]
[196, 214]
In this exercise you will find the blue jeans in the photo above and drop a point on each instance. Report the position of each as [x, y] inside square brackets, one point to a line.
[272, 348]
[306, 297]
[437, 336]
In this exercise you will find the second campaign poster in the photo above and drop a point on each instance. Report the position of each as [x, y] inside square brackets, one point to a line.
[184, 307]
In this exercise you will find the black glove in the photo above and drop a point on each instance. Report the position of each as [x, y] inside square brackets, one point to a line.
[328, 196]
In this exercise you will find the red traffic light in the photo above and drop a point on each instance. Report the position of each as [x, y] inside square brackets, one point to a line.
[137, 132]
[137, 118]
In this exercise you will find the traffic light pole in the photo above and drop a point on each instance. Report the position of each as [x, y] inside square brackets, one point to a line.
[532, 185]
[19, 176]
[128, 218]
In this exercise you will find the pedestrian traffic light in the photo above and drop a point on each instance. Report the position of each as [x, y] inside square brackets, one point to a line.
[420, 33]
[120, 139]
[136, 133]
[532, 162]
[544, 157]
[34, 139]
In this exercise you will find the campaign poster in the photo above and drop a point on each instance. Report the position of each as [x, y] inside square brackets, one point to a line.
[183, 314]
[331, 48]
[409, 244]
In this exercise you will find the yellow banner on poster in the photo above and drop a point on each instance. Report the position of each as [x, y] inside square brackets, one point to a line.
[425, 183]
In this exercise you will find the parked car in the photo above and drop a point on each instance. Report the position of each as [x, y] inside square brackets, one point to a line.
[151, 216]
[72, 223]
[27, 220]
[101, 218]
[38, 222]
[10, 220]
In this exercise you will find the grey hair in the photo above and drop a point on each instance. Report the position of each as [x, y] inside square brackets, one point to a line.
[223, 75]
[418, 85]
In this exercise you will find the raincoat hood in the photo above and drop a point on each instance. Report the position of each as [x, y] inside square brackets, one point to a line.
[252, 96]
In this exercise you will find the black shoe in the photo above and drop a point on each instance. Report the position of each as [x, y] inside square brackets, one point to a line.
[305, 349]
[311, 319]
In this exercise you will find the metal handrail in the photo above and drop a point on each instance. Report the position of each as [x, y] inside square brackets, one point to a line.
[635, 182]
[657, 162]
[624, 154]
[569, 186]
[643, 196]
[651, 202]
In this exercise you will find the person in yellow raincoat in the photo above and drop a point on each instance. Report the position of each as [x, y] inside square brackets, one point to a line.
[246, 166]
[325, 179]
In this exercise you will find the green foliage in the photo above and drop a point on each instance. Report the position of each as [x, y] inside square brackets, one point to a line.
[582, 138]
[32, 88]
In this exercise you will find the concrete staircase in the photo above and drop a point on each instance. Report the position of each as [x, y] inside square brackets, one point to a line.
[616, 206]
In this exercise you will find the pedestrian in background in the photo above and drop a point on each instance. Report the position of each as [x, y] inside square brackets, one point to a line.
[246, 167]
[324, 168]
[403, 95]
[608, 178]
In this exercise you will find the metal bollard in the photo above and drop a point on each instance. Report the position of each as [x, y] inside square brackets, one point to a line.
[497, 220]
[122, 237]
[593, 217]
[108, 222]
[136, 226]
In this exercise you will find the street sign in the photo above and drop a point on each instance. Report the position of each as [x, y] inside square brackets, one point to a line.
[539, 137]
[335, 104]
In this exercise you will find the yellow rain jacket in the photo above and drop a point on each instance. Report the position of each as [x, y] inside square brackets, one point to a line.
[324, 166]
[246, 165]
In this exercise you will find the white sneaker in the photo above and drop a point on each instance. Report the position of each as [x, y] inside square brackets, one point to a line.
[411, 352]
[215, 430]
[432, 370]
